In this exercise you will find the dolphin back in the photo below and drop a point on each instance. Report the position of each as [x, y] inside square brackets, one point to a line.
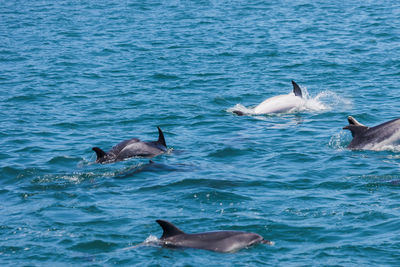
[218, 241]
[131, 148]
[363, 135]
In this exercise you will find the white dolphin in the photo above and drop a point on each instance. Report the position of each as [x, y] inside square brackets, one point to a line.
[279, 103]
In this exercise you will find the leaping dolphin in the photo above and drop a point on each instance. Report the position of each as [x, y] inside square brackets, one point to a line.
[220, 241]
[279, 103]
[364, 135]
[132, 148]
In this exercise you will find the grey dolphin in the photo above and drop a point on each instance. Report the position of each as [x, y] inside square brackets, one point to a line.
[220, 241]
[364, 135]
[132, 148]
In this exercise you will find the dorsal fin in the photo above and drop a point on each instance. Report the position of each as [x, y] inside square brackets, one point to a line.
[161, 139]
[355, 127]
[296, 89]
[169, 229]
[100, 153]
[353, 121]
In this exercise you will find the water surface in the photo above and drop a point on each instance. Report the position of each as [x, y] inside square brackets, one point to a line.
[78, 74]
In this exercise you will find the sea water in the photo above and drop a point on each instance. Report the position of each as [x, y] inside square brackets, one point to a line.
[79, 74]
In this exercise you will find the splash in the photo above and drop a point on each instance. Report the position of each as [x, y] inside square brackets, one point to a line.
[327, 100]
[339, 141]
[324, 101]
[150, 241]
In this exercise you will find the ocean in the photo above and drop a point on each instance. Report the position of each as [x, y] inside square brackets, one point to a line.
[79, 74]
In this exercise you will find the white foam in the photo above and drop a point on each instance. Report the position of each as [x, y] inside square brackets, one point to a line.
[149, 242]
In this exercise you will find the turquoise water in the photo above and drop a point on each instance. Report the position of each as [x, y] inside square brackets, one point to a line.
[78, 74]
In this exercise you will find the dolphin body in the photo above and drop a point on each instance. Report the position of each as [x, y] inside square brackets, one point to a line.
[220, 241]
[279, 103]
[364, 135]
[132, 148]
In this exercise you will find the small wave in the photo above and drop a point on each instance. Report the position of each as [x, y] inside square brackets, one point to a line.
[165, 76]
[56, 180]
[374, 182]
[63, 160]
[192, 183]
[94, 246]
[139, 168]
[217, 196]
[228, 152]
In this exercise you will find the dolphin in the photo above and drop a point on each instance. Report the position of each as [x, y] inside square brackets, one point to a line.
[279, 103]
[388, 132]
[219, 241]
[132, 148]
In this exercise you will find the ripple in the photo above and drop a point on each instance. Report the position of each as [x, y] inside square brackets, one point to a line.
[194, 183]
[95, 246]
[229, 152]
[164, 76]
[207, 196]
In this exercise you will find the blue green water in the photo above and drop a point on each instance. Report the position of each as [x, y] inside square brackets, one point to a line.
[78, 74]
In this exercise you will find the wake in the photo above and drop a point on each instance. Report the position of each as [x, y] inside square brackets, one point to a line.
[151, 241]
